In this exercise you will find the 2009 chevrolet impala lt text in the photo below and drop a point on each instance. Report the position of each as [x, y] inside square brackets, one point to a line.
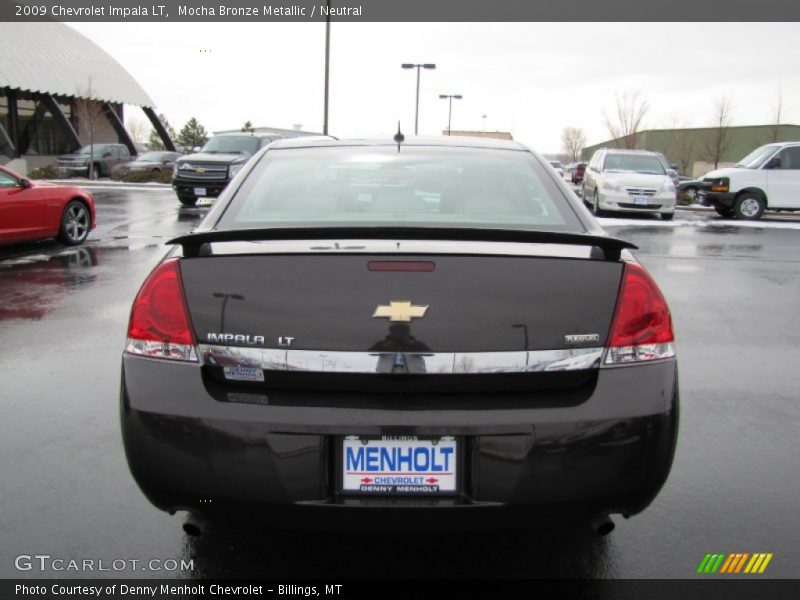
[402, 332]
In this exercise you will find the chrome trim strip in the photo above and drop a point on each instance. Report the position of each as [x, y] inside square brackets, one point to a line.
[321, 361]
[400, 247]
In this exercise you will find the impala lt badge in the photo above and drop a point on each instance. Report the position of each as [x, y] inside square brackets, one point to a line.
[400, 311]
[236, 338]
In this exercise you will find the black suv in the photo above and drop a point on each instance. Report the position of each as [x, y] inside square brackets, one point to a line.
[207, 172]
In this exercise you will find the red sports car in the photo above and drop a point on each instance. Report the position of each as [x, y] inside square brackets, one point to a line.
[35, 211]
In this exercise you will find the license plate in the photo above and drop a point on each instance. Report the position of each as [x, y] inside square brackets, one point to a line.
[199, 191]
[399, 465]
[641, 200]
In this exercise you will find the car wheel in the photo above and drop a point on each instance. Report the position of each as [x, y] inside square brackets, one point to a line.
[748, 206]
[187, 200]
[94, 173]
[691, 193]
[598, 212]
[156, 171]
[75, 223]
[667, 216]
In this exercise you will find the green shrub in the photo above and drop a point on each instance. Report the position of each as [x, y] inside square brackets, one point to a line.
[45, 172]
[144, 176]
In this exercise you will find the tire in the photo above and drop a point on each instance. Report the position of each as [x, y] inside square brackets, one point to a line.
[95, 173]
[724, 212]
[667, 216]
[75, 223]
[187, 200]
[598, 212]
[749, 206]
[156, 171]
[691, 193]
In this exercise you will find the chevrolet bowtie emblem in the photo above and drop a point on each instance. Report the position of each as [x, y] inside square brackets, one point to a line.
[400, 311]
[200, 171]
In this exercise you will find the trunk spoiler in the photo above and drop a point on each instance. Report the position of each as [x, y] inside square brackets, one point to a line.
[608, 248]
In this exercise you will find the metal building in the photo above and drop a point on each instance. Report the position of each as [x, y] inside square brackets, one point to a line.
[52, 78]
[692, 149]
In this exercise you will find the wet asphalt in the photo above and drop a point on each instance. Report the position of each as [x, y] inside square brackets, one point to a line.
[734, 290]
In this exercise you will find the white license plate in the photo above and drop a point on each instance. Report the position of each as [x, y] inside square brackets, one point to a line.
[641, 200]
[199, 191]
[399, 465]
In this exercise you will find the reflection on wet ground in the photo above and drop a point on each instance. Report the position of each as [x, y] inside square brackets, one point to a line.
[30, 287]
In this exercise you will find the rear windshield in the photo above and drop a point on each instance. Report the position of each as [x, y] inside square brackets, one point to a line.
[232, 144]
[422, 186]
[636, 163]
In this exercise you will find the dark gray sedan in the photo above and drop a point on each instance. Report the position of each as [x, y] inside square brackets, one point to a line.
[152, 162]
[399, 333]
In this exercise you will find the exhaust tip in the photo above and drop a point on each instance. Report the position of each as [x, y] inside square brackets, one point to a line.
[193, 526]
[603, 525]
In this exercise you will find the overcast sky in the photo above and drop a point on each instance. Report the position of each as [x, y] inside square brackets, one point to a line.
[532, 79]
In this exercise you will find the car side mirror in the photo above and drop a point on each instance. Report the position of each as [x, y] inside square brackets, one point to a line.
[196, 149]
[672, 173]
[25, 183]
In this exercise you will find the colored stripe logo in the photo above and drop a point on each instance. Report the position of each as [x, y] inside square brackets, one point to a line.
[734, 563]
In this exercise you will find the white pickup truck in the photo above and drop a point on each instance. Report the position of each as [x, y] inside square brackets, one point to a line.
[768, 177]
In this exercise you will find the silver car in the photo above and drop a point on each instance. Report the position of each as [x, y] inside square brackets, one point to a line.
[633, 181]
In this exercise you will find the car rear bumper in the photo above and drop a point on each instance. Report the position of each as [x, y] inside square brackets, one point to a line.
[258, 459]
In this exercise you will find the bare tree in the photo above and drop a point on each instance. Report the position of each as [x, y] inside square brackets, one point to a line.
[777, 115]
[573, 140]
[719, 136]
[679, 143]
[138, 129]
[90, 116]
[625, 124]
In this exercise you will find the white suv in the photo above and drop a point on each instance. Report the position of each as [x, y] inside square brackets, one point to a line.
[631, 181]
[768, 177]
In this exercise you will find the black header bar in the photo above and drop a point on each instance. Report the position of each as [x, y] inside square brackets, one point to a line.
[367, 11]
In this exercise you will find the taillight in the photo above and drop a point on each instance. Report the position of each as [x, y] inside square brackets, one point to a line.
[159, 324]
[642, 326]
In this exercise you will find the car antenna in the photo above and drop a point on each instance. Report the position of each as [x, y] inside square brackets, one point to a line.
[399, 137]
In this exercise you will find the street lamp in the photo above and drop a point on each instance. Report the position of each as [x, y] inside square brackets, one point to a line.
[327, 66]
[417, 67]
[450, 108]
[225, 298]
[524, 328]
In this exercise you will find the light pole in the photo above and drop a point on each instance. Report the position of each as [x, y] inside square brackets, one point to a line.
[450, 108]
[327, 66]
[225, 298]
[417, 67]
[524, 328]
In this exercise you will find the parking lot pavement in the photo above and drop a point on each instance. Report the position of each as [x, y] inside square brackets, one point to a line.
[733, 291]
